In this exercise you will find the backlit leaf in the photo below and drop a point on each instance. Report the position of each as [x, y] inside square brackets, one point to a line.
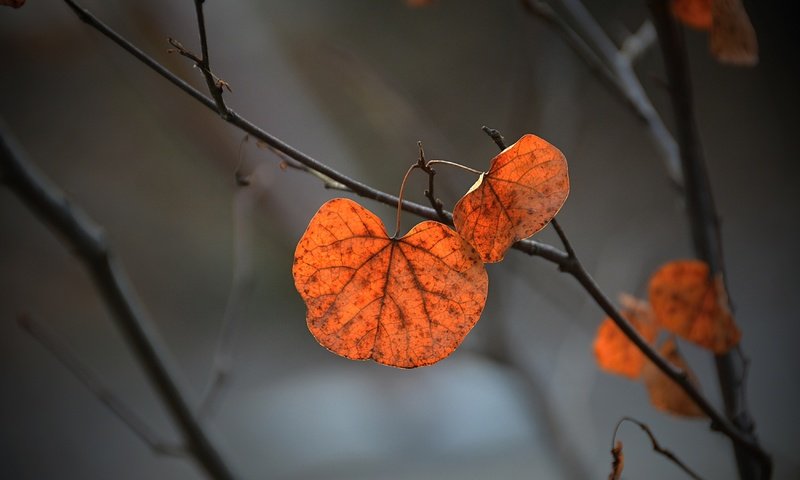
[665, 394]
[403, 302]
[694, 13]
[526, 185]
[733, 39]
[615, 353]
[692, 305]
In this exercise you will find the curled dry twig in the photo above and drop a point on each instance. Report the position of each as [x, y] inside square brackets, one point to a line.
[616, 452]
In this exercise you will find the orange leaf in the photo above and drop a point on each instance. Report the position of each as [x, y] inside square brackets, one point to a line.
[688, 303]
[526, 185]
[614, 352]
[403, 302]
[733, 39]
[665, 394]
[694, 13]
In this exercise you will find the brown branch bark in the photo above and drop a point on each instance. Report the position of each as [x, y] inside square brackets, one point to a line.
[704, 225]
[92, 382]
[87, 240]
[613, 68]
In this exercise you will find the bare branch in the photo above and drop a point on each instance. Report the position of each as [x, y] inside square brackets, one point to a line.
[430, 194]
[704, 223]
[616, 71]
[573, 266]
[215, 85]
[241, 290]
[545, 12]
[88, 242]
[531, 247]
[636, 44]
[656, 446]
[92, 382]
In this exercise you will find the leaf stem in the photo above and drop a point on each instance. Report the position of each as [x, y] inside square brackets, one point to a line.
[400, 199]
[454, 164]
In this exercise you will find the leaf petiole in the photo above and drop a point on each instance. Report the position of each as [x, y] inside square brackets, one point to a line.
[400, 199]
[453, 164]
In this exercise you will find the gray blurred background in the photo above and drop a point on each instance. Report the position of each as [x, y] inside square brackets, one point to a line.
[356, 84]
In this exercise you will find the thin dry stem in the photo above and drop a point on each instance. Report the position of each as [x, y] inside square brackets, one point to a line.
[67, 358]
[656, 446]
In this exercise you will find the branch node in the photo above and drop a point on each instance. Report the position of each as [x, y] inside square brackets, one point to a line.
[495, 136]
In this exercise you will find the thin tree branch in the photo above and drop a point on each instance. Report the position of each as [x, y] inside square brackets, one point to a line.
[430, 193]
[242, 285]
[656, 446]
[545, 12]
[637, 43]
[215, 85]
[588, 35]
[88, 242]
[496, 137]
[92, 382]
[563, 237]
[573, 266]
[531, 247]
[704, 224]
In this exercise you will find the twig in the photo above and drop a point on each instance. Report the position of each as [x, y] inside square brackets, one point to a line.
[327, 182]
[563, 237]
[92, 382]
[573, 266]
[430, 194]
[656, 446]
[704, 224]
[495, 136]
[588, 35]
[215, 85]
[637, 43]
[596, 65]
[531, 247]
[242, 285]
[88, 242]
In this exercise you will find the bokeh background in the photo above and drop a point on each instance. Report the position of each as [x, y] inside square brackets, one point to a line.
[356, 84]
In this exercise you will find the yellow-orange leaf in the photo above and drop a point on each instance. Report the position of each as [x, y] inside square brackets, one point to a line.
[665, 394]
[733, 39]
[403, 302]
[614, 352]
[526, 185]
[692, 305]
[694, 13]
